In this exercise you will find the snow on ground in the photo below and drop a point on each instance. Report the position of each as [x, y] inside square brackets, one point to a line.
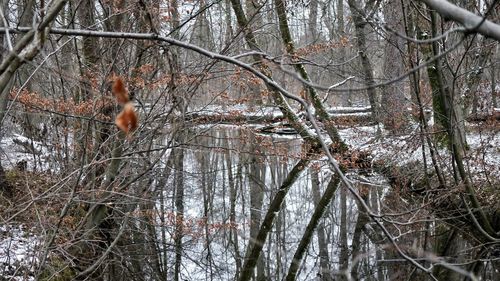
[17, 252]
[241, 109]
[273, 111]
[482, 159]
[488, 141]
[349, 108]
[16, 148]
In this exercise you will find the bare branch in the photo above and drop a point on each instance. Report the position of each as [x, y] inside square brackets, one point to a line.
[471, 21]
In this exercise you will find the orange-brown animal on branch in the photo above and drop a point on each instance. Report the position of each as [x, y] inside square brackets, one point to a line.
[127, 119]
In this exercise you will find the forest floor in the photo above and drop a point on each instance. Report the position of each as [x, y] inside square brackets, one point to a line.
[24, 215]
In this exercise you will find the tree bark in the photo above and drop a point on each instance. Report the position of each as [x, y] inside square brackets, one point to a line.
[361, 221]
[359, 26]
[309, 232]
[313, 22]
[321, 112]
[279, 100]
[393, 96]
[471, 21]
[343, 244]
[5, 189]
[233, 194]
[257, 183]
[179, 208]
[253, 254]
[325, 270]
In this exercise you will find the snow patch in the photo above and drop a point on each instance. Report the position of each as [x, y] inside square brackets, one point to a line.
[17, 252]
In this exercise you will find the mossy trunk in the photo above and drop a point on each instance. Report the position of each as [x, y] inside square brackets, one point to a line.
[5, 188]
[313, 96]
[278, 98]
[252, 256]
[320, 209]
[448, 115]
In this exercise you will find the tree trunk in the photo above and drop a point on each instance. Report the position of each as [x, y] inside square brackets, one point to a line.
[449, 115]
[313, 22]
[179, 208]
[228, 22]
[325, 270]
[257, 179]
[253, 254]
[473, 91]
[278, 98]
[321, 112]
[361, 221]
[5, 188]
[89, 72]
[233, 194]
[446, 247]
[343, 244]
[309, 232]
[255, 23]
[393, 95]
[446, 111]
[360, 26]
[27, 120]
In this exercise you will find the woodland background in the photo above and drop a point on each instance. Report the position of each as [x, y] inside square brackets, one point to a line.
[278, 140]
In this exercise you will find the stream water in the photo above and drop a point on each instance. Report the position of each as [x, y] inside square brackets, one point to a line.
[231, 174]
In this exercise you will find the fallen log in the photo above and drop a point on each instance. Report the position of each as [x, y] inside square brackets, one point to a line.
[340, 119]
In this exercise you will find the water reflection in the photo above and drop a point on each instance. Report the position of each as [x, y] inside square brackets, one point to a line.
[231, 176]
